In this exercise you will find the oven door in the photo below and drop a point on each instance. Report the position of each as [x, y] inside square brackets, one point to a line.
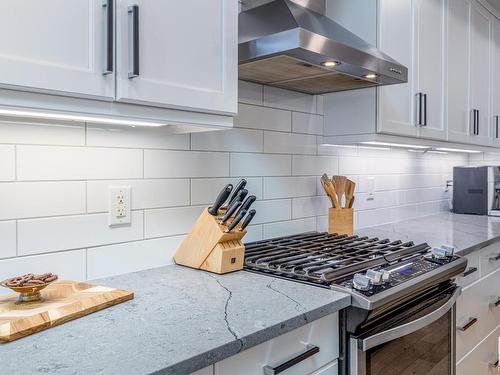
[419, 341]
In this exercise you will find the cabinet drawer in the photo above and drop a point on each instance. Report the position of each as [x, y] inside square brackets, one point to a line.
[488, 261]
[322, 333]
[472, 273]
[329, 369]
[477, 302]
[478, 361]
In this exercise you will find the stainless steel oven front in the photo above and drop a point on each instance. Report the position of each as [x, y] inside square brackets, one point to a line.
[417, 338]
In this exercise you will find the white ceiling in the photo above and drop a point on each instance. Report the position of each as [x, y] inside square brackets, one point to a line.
[495, 4]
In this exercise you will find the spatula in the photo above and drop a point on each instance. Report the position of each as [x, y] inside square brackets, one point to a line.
[329, 190]
[340, 185]
[349, 194]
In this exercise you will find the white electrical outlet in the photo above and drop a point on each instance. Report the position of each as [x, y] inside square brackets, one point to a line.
[119, 205]
[370, 187]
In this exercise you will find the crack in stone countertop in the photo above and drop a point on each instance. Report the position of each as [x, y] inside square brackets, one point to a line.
[226, 319]
[298, 307]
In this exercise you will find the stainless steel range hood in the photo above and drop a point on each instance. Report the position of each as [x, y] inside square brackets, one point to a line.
[293, 47]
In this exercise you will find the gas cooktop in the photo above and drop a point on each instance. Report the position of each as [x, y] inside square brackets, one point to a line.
[374, 271]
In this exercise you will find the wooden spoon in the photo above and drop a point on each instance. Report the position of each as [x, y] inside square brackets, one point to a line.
[330, 192]
[340, 186]
[349, 195]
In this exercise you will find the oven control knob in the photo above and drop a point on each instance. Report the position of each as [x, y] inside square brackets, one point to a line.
[361, 282]
[386, 276]
[374, 276]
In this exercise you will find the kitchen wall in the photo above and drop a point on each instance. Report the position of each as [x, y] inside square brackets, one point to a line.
[55, 178]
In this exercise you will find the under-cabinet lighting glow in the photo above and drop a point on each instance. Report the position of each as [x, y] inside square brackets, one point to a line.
[390, 144]
[76, 117]
[437, 152]
[330, 64]
[371, 76]
[362, 147]
[457, 150]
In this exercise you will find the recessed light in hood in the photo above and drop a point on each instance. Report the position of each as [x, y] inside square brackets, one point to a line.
[286, 45]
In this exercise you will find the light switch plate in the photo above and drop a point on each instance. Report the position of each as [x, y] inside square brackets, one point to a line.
[119, 205]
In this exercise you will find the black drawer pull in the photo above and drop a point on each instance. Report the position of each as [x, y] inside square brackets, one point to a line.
[494, 258]
[469, 271]
[496, 303]
[310, 351]
[133, 11]
[467, 325]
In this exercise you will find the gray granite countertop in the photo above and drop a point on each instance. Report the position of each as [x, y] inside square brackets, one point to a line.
[466, 232]
[181, 320]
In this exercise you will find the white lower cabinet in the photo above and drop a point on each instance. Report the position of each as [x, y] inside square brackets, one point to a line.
[205, 371]
[484, 357]
[322, 333]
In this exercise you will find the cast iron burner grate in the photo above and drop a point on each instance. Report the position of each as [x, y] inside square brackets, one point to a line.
[323, 258]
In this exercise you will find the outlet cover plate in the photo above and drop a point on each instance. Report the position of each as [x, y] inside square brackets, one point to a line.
[119, 205]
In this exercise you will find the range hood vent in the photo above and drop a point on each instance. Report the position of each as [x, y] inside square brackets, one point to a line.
[286, 45]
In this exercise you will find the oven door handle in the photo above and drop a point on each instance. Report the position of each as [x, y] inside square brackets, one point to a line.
[410, 327]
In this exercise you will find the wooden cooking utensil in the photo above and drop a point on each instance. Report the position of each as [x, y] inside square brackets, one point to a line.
[329, 190]
[349, 193]
[340, 186]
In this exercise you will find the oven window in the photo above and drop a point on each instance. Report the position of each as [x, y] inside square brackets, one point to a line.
[424, 352]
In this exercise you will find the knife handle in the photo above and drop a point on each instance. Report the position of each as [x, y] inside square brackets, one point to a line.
[247, 203]
[235, 193]
[230, 211]
[248, 219]
[236, 220]
[221, 198]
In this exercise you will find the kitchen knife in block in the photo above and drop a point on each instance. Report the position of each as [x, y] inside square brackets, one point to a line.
[230, 211]
[340, 221]
[219, 201]
[207, 247]
[234, 194]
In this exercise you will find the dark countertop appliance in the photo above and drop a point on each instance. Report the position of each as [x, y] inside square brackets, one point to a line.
[401, 293]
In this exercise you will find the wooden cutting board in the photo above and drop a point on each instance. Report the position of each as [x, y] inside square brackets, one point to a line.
[62, 301]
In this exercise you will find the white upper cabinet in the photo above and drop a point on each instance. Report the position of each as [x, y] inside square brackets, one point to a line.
[178, 54]
[458, 82]
[429, 55]
[495, 89]
[395, 114]
[481, 26]
[56, 46]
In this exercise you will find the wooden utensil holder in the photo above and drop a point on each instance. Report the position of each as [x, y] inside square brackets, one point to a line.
[209, 248]
[340, 221]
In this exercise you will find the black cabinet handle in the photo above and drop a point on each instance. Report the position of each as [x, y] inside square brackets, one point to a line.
[477, 121]
[467, 325]
[109, 38]
[496, 127]
[310, 351]
[469, 271]
[133, 11]
[425, 110]
[494, 258]
[496, 303]
[420, 109]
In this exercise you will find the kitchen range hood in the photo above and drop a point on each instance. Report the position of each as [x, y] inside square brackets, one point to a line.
[294, 47]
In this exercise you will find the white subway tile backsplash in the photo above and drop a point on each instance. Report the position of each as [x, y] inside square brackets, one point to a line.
[136, 137]
[68, 265]
[310, 206]
[291, 100]
[289, 187]
[154, 193]
[250, 165]
[239, 140]
[289, 227]
[175, 164]
[249, 92]
[314, 165]
[254, 117]
[170, 221]
[288, 143]
[272, 210]
[72, 232]
[307, 123]
[205, 190]
[7, 163]
[71, 134]
[35, 199]
[77, 163]
[131, 256]
[7, 239]
[254, 233]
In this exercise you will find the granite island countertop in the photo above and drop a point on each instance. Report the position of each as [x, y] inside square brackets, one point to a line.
[466, 233]
[180, 320]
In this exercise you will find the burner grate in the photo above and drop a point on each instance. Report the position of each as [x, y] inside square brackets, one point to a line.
[323, 258]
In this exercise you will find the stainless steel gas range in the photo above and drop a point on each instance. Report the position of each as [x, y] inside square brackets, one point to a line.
[402, 317]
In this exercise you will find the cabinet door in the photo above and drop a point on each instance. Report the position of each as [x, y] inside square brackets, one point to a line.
[495, 90]
[185, 56]
[395, 115]
[429, 18]
[55, 46]
[458, 57]
[481, 25]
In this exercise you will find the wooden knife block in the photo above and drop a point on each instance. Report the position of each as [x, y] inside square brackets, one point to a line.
[340, 221]
[207, 247]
